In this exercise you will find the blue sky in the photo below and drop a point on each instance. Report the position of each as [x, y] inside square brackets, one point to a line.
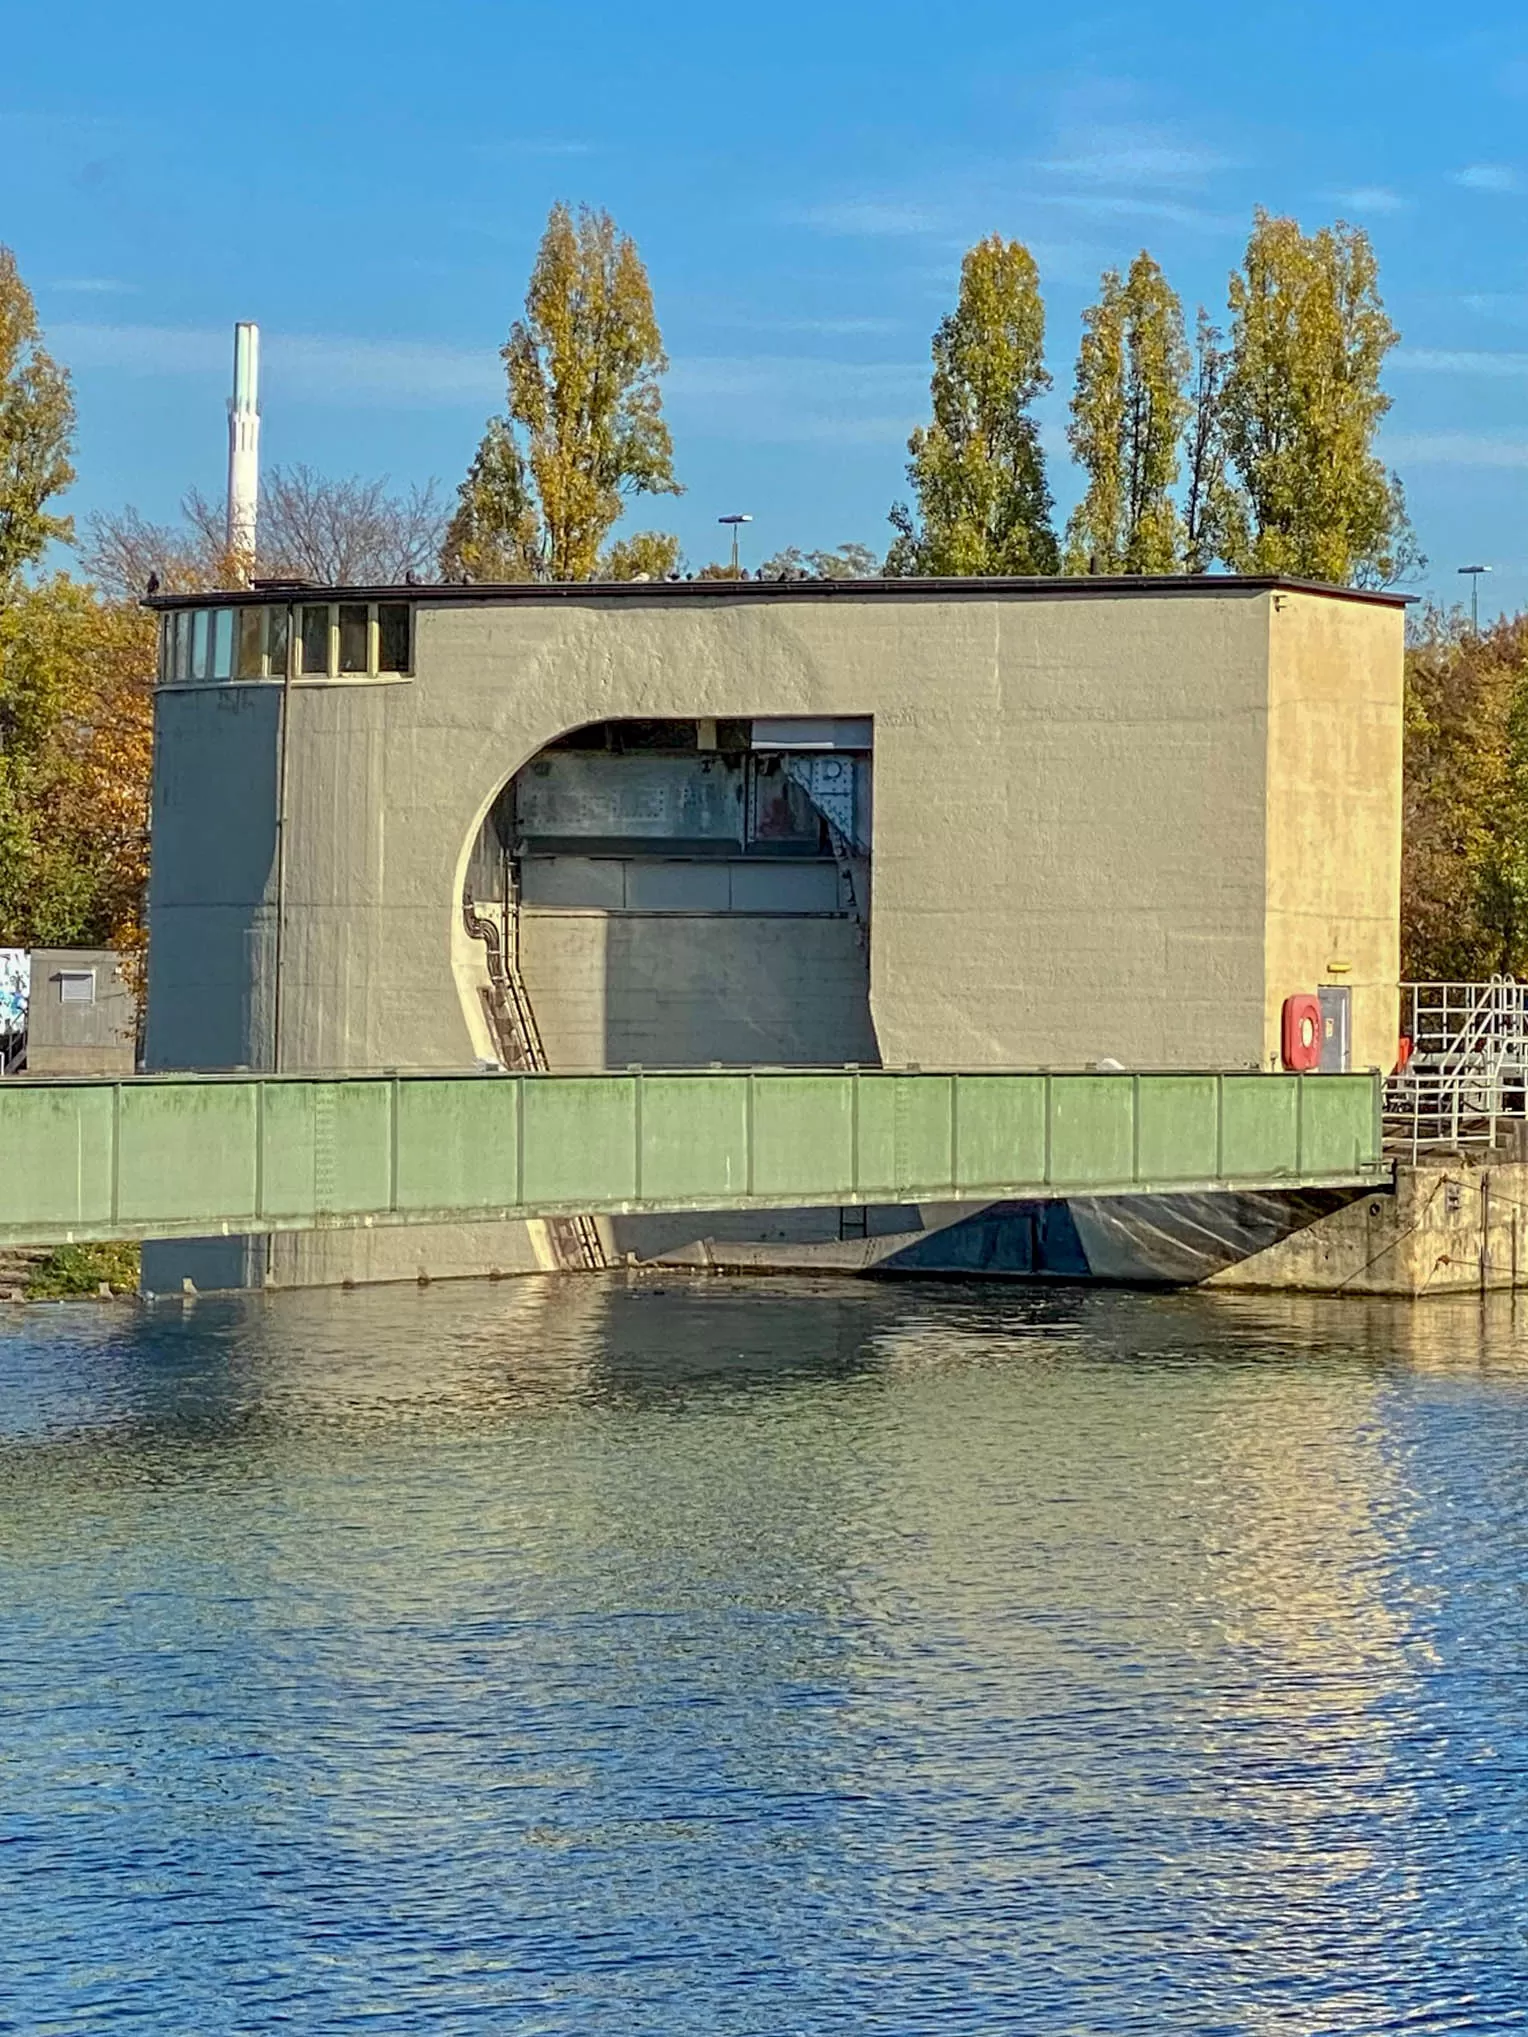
[369, 183]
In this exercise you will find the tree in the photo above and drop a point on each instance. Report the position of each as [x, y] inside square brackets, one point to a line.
[339, 533]
[978, 471]
[1128, 411]
[1301, 405]
[850, 562]
[1204, 501]
[1464, 860]
[76, 717]
[645, 555]
[495, 532]
[585, 422]
[36, 433]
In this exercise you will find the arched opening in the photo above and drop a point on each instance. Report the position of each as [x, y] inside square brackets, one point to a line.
[678, 893]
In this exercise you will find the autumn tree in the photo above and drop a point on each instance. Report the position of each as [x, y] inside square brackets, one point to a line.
[1464, 862]
[977, 470]
[1204, 450]
[36, 432]
[645, 555]
[847, 561]
[584, 428]
[1300, 407]
[76, 714]
[1128, 410]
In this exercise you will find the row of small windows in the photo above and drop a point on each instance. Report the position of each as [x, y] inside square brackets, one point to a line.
[332, 640]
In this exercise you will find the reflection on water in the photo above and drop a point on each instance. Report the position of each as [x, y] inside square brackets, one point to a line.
[669, 1658]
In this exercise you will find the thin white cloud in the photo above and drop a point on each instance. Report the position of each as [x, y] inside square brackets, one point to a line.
[1132, 155]
[789, 399]
[1458, 361]
[1454, 449]
[1373, 198]
[767, 398]
[1117, 205]
[870, 217]
[329, 368]
[529, 145]
[93, 286]
[1497, 177]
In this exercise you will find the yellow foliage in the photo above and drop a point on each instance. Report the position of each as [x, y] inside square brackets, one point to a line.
[76, 732]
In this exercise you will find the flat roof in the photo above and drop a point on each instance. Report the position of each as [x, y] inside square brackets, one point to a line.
[1031, 587]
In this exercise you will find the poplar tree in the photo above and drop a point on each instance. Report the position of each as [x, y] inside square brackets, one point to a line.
[1301, 405]
[978, 471]
[36, 432]
[584, 426]
[1128, 411]
[1204, 449]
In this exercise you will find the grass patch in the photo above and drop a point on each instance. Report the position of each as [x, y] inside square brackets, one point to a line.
[80, 1269]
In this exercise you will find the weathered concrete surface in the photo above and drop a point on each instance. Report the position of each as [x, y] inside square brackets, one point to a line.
[1334, 817]
[1453, 1225]
[682, 990]
[1072, 835]
[94, 1037]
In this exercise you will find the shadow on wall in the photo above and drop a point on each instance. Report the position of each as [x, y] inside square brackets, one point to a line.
[212, 887]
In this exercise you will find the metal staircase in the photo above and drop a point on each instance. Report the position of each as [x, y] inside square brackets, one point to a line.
[1466, 1080]
[512, 1022]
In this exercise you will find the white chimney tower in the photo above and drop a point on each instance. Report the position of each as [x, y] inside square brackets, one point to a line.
[244, 447]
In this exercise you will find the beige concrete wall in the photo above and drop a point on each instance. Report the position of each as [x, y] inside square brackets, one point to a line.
[1069, 841]
[1334, 812]
[1453, 1226]
[679, 991]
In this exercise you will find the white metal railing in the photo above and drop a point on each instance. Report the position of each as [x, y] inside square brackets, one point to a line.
[1467, 1077]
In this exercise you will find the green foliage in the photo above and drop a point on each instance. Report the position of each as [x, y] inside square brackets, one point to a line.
[584, 427]
[1300, 406]
[849, 562]
[36, 432]
[75, 1270]
[645, 555]
[978, 471]
[76, 712]
[1204, 451]
[1464, 866]
[1128, 411]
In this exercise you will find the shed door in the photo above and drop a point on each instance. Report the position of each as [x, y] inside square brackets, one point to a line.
[1336, 1028]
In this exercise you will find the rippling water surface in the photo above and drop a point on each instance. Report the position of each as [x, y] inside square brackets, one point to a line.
[666, 1659]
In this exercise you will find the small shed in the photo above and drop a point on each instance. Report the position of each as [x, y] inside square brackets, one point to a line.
[81, 1016]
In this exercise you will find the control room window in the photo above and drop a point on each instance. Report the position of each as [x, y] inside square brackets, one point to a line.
[393, 636]
[251, 650]
[315, 641]
[355, 632]
[340, 639]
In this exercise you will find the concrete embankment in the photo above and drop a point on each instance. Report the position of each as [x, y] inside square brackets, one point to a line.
[1455, 1224]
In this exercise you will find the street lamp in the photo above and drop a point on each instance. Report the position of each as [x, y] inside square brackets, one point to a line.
[735, 521]
[1475, 573]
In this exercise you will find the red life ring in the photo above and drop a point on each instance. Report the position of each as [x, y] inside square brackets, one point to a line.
[1301, 1039]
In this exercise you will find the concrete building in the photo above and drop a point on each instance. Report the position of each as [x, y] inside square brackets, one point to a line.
[81, 1017]
[962, 823]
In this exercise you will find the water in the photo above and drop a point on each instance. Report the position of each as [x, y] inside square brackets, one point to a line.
[570, 1657]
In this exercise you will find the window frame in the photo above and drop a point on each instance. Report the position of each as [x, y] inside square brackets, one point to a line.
[185, 630]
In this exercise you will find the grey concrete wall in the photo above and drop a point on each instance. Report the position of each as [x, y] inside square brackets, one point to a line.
[680, 991]
[212, 885]
[1070, 827]
[69, 1037]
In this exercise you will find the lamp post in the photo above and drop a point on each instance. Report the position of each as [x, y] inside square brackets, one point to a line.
[1475, 573]
[735, 521]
